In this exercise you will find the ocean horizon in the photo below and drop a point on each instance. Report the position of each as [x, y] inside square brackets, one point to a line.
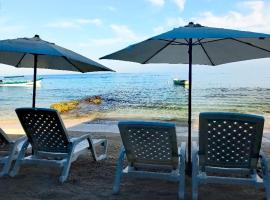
[150, 95]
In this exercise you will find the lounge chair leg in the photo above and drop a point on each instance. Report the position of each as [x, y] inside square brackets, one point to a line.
[118, 174]
[266, 178]
[20, 157]
[195, 182]
[7, 164]
[66, 167]
[182, 161]
[181, 189]
[194, 189]
[92, 148]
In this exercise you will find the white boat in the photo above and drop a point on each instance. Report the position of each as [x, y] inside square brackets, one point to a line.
[16, 83]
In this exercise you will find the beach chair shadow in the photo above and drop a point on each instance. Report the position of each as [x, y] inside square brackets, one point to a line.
[229, 151]
[11, 149]
[50, 142]
[151, 151]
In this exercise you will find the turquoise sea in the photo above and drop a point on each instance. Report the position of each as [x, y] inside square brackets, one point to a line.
[151, 95]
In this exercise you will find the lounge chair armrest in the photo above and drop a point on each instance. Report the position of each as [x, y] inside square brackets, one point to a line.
[119, 170]
[195, 159]
[122, 154]
[182, 158]
[194, 152]
[182, 152]
[77, 140]
[19, 140]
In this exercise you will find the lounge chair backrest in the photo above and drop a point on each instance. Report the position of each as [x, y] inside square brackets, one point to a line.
[149, 143]
[230, 140]
[44, 129]
[4, 140]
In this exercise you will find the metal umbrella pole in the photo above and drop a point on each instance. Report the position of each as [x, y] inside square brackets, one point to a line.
[189, 164]
[35, 79]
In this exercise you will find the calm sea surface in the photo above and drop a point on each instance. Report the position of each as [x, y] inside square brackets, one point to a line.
[151, 94]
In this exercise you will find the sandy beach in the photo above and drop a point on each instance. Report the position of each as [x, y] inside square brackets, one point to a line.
[93, 180]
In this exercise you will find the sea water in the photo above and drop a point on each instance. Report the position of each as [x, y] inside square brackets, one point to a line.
[150, 95]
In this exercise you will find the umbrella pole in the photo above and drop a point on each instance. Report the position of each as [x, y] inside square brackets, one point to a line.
[35, 79]
[189, 164]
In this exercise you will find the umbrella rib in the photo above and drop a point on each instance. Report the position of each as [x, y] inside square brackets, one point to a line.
[72, 64]
[20, 60]
[252, 45]
[216, 40]
[175, 42]
[158, 51]
[212, 63]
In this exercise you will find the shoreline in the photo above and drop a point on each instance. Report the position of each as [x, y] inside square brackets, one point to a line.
[107, 123]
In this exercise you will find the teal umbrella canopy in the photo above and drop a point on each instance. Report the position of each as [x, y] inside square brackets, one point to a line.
[210, 46]
[37, 53]
[20, 53]
[196, 44]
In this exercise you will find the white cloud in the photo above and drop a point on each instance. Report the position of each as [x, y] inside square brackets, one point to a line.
[9, 30]
[75, 23]
[111, 8]
[121, 34]
[180, 4]
[159, 3]
[252, 16]
[170, 23]
[122, 31]
[175, 22]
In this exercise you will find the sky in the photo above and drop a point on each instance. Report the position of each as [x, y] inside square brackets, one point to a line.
[95, 28]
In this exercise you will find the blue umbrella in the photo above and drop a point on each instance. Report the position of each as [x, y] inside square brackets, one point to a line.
[196, 44]
[37, 53]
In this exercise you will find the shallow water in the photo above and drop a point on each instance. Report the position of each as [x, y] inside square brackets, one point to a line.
[151, 94]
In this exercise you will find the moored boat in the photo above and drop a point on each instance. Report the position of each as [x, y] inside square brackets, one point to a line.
[17, 83]
[177, 81]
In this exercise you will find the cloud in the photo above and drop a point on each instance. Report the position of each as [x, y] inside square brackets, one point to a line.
[252, 16]
[171, 22]
[111, 8]
[121, 34]
[159, 3]
[180, 4]
[75, 23]
[9, 31]
[120, 37]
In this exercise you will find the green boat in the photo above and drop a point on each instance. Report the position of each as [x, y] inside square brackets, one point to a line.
[9, 81]
[177, 81]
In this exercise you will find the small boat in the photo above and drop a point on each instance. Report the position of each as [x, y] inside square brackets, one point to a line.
[9, 82]
[177, 81]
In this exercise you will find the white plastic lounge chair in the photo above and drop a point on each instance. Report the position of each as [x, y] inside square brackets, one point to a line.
[151, 145]
[10, 150]
[50, 142]
[229, 143]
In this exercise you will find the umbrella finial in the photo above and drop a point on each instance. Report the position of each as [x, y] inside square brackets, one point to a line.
[191, 24]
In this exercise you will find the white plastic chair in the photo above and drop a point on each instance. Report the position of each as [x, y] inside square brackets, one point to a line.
[229, 143]
[151, 145]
